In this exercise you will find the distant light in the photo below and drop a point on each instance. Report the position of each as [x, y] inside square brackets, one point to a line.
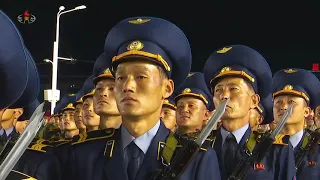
[81, 7]
[61, 8]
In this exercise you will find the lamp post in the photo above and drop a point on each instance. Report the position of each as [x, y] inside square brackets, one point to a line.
[55, 93]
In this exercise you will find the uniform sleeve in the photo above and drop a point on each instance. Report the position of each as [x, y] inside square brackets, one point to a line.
[48, 169]
[208, 167]
[203, 167]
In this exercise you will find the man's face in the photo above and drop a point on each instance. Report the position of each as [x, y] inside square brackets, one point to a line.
[168, 116]
[57, 121]
[310, 119]
[317, 116]
[8, 114]
[139, 89]
[300, 110]
[61, 123]
[255, 119]
[191, 112]
[68, 119]
[21, 125]
[78, 117]
[241, 95]
[90, 118]
[104, 99]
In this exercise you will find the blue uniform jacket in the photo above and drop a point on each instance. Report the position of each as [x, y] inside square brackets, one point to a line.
[40, 165]
[103, 159]
[278, 163]
[310, 166]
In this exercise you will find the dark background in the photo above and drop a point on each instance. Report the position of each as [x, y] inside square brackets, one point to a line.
[286, 34]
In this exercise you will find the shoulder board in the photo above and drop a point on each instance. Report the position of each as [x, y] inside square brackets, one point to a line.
[40, 145]
[212, 137]
[19, 175]
[282, 139]
[55, 138]
[54, 130]
[93, 135]
[60, 142]
[41, 141]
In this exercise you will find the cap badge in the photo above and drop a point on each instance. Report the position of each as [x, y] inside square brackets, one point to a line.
[186, 90]
[225, 69]
[107, 71]
[290, 70]
[70, 105]
[288, 87]
[135, 45]
[139, 21]
[224, 50]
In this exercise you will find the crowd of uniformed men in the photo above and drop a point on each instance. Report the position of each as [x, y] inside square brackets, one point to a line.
[142, 94]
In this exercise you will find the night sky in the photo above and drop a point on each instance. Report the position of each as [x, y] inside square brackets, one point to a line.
[286, 34]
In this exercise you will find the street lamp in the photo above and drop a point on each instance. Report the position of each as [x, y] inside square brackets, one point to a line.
[55, 92]
[48, 61]
[59, 58]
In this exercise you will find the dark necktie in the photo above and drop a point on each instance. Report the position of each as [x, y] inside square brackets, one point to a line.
[134, 160]
[4, 137]
[230, 147]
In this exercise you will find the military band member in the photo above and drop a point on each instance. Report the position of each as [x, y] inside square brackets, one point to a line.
[168, 113]
[8, 130]
[262, 114]
[62, 146]
[90, 119]
[300, 87]
[70, 128]
[17, 74]
[104, 102]
[38, 160]
[78, 118]
[56, 119]
[15, 110]
[311, 125]
[242, 75]
[193, 101]
[53, 133]
[150, 57]
[105, 106]
[23, 120]
[317, 116]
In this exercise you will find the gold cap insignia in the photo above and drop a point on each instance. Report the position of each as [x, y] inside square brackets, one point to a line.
[72, 94]
[186, 90]
[107, 71]
[190, 74]
[225, 69]
[139, 21]
[290, 70]
[224, 50]
[166, 101]
[135, 45]
[70, 105]
[288, 87]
